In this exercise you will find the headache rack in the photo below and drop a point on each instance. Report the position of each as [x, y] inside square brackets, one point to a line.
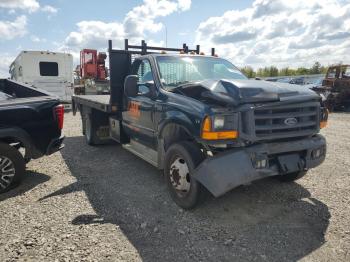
[144, 49]
[120, 61]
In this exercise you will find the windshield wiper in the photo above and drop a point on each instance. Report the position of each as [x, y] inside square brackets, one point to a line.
[180, 85]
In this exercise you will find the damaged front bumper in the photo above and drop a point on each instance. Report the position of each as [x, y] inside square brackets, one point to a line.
[227, 170]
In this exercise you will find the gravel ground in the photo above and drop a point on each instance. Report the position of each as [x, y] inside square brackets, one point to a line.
[105, 204]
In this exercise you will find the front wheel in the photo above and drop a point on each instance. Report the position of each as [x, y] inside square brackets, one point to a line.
[291, 176]
[181, 159]
[12, 167]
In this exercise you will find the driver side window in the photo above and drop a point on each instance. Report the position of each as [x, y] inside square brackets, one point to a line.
[144, 73]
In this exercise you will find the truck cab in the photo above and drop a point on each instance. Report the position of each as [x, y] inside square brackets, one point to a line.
[201, 121]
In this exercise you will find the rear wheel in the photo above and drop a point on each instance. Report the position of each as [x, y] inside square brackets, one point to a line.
[96, 128]
[12, 167]
[181, 159]
[291, 176]
[89, 131]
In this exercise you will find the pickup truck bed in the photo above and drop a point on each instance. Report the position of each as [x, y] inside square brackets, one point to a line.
[30, 119]
[100, 102]
[21, 101]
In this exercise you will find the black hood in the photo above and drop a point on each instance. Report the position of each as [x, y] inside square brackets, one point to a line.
[239, 91]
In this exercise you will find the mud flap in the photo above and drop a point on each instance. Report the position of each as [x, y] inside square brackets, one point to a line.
[220, 174]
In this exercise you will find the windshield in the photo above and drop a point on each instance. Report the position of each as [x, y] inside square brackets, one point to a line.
[175, 71]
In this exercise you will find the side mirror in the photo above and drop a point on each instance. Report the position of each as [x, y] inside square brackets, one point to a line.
[130, 85]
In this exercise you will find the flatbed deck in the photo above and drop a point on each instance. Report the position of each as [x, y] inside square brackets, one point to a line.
[100, 102]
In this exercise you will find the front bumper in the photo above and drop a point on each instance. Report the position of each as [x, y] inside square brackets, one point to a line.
[55, 145]
[227, 170]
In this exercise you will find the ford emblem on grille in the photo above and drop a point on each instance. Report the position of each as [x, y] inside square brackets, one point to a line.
[291, 121]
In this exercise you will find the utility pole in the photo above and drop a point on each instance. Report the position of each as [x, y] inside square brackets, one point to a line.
[166, 36]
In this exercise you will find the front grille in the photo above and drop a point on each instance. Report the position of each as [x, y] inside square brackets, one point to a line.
[286, 121]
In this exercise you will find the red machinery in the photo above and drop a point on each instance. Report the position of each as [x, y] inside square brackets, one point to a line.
[92, 73]
[92, 64]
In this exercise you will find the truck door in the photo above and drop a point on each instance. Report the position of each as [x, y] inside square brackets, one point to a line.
[139, 117]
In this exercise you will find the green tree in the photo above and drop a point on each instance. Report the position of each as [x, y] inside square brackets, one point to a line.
[324, 69]
[315, 69]
[302, 71]
[284, 71]
[273, 71]
[266, 71]
[260, 72]
[248, 71]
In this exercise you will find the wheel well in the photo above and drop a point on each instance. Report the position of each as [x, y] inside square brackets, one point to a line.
[14, 142]
[11, 141]
[173, 133]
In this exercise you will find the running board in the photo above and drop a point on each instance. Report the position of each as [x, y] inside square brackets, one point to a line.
[144, 152]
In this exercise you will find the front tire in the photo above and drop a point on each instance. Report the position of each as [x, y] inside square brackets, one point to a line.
[12, 167]
[181, 159]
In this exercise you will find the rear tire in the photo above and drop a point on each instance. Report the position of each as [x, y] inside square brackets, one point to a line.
[12, 167]
[181, 159]
[90, 131]
[291, 177]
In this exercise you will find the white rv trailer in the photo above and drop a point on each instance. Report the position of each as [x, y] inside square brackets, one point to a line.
[50, 71]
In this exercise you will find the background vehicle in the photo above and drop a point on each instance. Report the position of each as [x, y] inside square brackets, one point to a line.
[50, 71]
[92, 73]
[336, 87]
[30, 119]
[203, 122]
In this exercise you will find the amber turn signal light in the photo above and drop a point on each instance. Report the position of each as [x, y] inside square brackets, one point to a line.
[208, 134]
[323, 124]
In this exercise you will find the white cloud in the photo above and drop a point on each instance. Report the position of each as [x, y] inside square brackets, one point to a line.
[138, 22]
[12, 29]
[37, 39]
[30, 5]
[6, 61]
[27, 5]
[184, 5]
[283, 33]
[49, 9]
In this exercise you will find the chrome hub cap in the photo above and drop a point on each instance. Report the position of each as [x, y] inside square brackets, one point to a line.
[180, 175]
[7, 172]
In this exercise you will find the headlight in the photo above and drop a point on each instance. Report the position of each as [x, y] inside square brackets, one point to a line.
[219, 122]
[220, 127]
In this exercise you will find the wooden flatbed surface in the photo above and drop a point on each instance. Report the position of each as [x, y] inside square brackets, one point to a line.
[100, 102]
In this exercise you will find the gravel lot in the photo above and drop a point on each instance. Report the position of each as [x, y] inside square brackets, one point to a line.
[105, 204]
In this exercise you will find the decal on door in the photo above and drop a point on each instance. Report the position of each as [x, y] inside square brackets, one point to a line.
[134, 109]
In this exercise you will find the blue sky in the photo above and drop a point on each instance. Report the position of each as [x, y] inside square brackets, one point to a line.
[256, 33]
[54, 27]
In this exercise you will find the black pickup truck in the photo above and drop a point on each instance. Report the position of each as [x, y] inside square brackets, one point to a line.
[203, 122]
[30, 126]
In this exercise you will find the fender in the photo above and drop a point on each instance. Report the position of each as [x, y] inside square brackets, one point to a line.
[179, 118]
[23, 137]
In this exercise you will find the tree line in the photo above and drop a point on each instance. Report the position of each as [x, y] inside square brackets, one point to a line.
[272, 71]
